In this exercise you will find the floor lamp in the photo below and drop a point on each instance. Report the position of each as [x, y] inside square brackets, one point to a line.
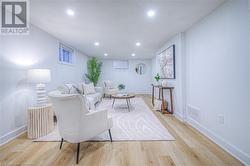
[40, 77]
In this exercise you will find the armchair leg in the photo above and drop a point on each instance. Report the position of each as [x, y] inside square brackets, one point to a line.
[61, 143]
[77, 155]
[110, 136]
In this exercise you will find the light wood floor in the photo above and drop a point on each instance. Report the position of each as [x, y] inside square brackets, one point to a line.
[190, 149]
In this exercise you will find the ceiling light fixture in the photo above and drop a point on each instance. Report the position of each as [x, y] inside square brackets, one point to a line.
[133, 54]
[105, 54]
[138, 44]
[151, 13]
[96, 43]
[70, 12]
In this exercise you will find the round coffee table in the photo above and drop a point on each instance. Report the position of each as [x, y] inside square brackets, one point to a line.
[125, 96]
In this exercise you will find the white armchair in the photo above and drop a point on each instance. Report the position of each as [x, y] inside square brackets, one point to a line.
[76, 124]
[109, 88]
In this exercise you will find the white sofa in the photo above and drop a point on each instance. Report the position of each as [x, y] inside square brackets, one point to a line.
[91, 98]
[94, 98]
[75, 122]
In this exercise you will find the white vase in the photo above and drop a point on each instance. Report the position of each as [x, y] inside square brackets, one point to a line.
[164, 83]
[157, 83]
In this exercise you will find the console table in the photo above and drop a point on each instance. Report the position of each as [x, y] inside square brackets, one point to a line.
[161, 96]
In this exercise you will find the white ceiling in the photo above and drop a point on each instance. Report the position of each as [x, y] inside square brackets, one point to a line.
[117, 25]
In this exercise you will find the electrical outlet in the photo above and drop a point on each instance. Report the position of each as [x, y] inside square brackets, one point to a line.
[221, 119]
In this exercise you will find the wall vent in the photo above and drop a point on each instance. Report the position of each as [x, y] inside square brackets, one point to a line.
[194, 113]
[120, 64]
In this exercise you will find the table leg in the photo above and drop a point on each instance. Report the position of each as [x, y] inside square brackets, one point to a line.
[153, 96]
[129, 102]
[162, 101]
[113, 102]
[171, 98]
[160, 93]
[128, 105]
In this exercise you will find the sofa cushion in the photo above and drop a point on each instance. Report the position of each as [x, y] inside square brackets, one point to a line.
[80, 87]
[89, 89]
[92, 99]
[95, 97]
[67, 89]
[109, 84]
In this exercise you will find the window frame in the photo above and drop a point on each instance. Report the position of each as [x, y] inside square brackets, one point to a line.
[70, 50]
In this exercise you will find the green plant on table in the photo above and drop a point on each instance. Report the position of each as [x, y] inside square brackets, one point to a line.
[121, 86]
[157, 77]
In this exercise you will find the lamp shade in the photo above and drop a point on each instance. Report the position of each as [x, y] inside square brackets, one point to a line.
[38, 75]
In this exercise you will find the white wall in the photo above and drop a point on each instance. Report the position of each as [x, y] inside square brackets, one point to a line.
[134, 83]
[215, 76]
[178, 97]
[218, 76]
[17, 55]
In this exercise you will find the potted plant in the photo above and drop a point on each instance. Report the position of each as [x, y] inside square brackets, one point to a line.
[94, 70]
[121, 87]
[157, 77]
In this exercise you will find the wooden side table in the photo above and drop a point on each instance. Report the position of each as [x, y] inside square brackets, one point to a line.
[40, 121]
[161, 90]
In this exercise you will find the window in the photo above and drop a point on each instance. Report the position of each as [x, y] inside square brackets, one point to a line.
[66, 54]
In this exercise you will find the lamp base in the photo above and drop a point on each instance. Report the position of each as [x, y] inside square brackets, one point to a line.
[41, 95]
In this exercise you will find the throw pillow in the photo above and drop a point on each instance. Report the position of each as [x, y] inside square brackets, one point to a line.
[63, 89]
[109, 84]
[80, 87]
[89, 88]
[67, 89]
[71, 88]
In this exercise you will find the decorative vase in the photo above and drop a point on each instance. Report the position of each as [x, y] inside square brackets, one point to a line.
[164, 83]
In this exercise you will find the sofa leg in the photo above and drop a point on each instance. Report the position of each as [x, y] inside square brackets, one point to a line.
[61, 143]
[110, 136]
[77, 155]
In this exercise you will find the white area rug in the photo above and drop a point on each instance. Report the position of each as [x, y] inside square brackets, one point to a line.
[140, 124]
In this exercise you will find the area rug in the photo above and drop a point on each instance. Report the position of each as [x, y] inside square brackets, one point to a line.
[140, 124]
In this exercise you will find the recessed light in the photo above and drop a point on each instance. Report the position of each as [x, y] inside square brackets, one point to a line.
[96, 43]
[151, 13]
[70, 12]
[105, 54]
[133, 54]
[138, 44]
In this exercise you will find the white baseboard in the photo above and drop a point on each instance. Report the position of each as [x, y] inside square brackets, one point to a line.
[231, 149]
[12, 135]
[179, 116]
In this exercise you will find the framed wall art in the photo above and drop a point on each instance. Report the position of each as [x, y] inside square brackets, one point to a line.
[166, 61]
